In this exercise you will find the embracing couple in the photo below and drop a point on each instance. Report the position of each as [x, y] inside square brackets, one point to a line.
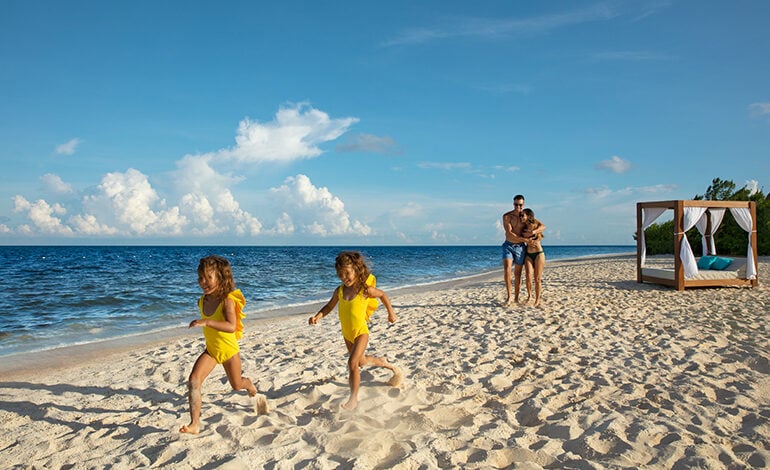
[522, 247]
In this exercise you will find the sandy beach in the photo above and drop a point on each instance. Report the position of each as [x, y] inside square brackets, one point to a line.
[608, 373]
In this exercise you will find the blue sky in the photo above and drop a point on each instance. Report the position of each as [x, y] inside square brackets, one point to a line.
[370, 122]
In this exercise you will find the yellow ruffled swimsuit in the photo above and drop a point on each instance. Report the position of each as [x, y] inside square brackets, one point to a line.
[219, 344]
[354, 314]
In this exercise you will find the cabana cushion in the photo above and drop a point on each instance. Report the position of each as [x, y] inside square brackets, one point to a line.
[706, 262]
[721, 264]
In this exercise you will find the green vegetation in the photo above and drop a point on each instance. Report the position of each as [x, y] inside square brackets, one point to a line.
[730, 239]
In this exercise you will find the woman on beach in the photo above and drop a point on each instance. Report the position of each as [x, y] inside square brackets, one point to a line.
[221, 310]
[535, 260]
[358, 299]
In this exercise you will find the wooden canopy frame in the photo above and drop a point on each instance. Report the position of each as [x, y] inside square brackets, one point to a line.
[679, 282]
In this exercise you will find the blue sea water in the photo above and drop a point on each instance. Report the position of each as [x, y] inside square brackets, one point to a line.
[62, 295]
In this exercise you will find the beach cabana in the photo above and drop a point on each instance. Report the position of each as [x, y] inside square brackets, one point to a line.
[706, 216]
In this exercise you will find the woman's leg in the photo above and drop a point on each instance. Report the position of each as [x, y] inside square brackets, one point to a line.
[538, 274]
[528, 269]
[202, 368]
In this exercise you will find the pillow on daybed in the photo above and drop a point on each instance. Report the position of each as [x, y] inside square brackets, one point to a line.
[721, 264]
[705, 262]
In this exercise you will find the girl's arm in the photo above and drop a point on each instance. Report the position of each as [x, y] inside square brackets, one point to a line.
[325, 309]
[539, 228]
[377, 293]
[228, 325]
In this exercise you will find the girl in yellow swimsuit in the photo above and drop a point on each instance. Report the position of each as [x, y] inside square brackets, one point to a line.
[221, 311]
[358, 298]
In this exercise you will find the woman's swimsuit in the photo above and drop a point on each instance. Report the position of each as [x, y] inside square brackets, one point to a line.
[354, 314]
[533, 256]
[219, 344]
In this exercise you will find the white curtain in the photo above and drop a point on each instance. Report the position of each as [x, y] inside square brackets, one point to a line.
[691, 216]
[648, 217]
[743, 217]
[716, 220]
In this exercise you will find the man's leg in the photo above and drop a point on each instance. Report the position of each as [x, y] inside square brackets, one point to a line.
[507, 265]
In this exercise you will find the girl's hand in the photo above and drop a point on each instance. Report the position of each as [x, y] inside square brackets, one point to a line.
[198, 322]
[392, 316]
[313, 320]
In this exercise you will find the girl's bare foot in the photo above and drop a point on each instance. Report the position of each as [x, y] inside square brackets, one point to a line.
[350, 405]
[397, 378]
[190, 429]
[251, 388]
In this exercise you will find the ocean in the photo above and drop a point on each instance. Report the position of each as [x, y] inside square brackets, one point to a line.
[55, 296]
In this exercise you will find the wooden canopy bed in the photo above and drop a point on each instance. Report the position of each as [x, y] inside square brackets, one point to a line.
[706, 216]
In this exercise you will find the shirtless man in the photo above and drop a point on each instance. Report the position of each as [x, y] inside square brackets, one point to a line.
[514, 248]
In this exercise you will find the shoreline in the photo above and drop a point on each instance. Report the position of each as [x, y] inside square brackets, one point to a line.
[53, 358]
[608, 371]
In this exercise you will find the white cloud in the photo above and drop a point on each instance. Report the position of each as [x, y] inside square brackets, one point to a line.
[43, 215]
[55, 184]
[88, 225]
[444, 165]
[128, 200]
[314, 210]
[369, 143]
[752, 186]
[630, 191]
[632, 56]
[495, 28]
[68, 148]
[759, 109]
[202, 199]
[614, 164]
[295, 133]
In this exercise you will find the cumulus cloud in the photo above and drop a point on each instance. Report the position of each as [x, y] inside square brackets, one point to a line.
[295, 133]
[314, 210]
[55, 184]
[614, 164]
[198, 198]
[369, 143]
[43, 216]
[129, 200]
[68, 148]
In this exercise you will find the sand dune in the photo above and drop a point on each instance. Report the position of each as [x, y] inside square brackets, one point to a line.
[608, 373]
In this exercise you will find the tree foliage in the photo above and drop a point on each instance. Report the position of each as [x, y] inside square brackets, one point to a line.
[730, 238]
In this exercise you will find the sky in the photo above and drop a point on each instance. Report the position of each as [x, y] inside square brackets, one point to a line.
[370, 123]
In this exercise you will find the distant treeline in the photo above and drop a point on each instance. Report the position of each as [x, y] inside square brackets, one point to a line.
[730, 239]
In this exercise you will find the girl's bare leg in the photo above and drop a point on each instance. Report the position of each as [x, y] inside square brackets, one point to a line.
[397, 377]
[202, 368]
[355, 361]
[237, 381]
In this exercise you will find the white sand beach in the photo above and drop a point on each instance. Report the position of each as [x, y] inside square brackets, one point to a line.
[609, 373]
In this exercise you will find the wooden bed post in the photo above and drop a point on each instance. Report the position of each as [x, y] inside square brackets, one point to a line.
[678, 235]
[639, 242]
[753, 238]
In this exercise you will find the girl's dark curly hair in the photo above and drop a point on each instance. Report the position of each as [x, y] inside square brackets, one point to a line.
[224, 272]
[357, 261]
